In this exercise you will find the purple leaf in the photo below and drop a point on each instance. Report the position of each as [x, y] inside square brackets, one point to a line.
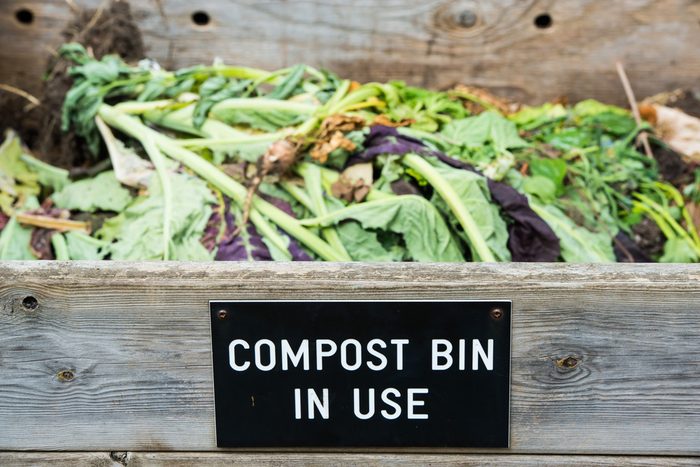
[530, 238]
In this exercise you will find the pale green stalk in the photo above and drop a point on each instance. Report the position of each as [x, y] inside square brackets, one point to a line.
[160, 164]
[450, 196]
[220, 180]
[60, 248]
[312, 181]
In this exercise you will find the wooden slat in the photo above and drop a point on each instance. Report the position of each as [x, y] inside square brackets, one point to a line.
[434, 43]
[137, 338]
[193, 459]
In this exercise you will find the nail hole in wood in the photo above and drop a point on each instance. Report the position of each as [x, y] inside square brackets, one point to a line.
[24, 16]
[200, 18]
[543, 21]
[30, 303]
[568, 362]
[66, 375]
[467, 19]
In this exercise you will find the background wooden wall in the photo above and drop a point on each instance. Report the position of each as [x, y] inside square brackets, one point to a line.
[494, 43]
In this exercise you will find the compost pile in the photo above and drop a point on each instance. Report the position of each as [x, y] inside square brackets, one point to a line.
[235, 163]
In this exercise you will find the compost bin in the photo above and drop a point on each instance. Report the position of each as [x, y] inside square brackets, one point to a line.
[141, 362]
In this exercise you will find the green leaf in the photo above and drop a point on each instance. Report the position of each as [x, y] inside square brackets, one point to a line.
[553, 169]
[83, 246]
[488, 127]
[473, 192]
[15, 241]
[100, 193]
[287, 87]
[17, 180]
[425, 234]
[364, 245]
[542, 187]
[578, 245]
[139, 231]
[679, 250]
[48, 175]
[213, 91]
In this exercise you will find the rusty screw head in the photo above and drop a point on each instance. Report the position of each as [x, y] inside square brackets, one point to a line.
[222, 314]
[496, 313]
[66, 375]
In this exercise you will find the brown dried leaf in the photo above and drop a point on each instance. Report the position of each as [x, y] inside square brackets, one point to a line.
[331, 135]
[386, 121]
[349, 190]
[679, 130]
[474, 95]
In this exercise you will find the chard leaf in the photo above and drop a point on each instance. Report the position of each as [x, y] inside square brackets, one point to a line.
[82, 246]
[578, 245]
[15, 241]
[139, 229]
[473, 192]
[17, 180]
[47, 175]
[488, 127]
[364, 245]
[553, 169]
[425, 234]
[287, 87]
[679, 250]
[213, 91]
[100, 193]
[262, 113]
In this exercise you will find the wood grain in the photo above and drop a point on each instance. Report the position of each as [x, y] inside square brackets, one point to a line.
[189, 459]
[136, 338]
[438, 43]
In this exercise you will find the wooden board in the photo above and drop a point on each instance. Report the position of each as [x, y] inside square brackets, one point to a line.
[494, 43]
[116, 356]
[186, 459]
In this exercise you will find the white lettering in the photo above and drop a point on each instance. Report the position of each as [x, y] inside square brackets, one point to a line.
[478, 351]
[437, 354]
[321, 354]
[397, 408]
[416, 403]
[289, 355]
[356, 404]
[370, 349]
[232, 354]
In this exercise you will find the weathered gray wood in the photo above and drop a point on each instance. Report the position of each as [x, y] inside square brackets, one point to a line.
[189, 459]
[434, 43]
[136, 336]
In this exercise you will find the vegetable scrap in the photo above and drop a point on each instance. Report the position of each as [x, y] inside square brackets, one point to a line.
[234, 163]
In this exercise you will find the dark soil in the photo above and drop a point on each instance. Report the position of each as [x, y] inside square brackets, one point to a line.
[672, 167]
[649, 238]
[107, 30]
[688, 102]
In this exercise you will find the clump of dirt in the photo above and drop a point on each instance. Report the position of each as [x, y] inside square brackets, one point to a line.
[672, 166]
[649, 238]
[109, 29]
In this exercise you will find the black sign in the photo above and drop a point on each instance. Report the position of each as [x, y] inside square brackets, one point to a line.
[361, 374]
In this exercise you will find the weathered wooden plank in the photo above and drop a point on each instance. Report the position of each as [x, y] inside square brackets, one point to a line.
[117, 355]
[191, 459]
[136, 339]
[433, 43]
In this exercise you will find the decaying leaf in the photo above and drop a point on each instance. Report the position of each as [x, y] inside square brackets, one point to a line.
[40, 243]
[386, 121]
[354, 183]
[678, 129]
[331, 136]
[478, 100]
